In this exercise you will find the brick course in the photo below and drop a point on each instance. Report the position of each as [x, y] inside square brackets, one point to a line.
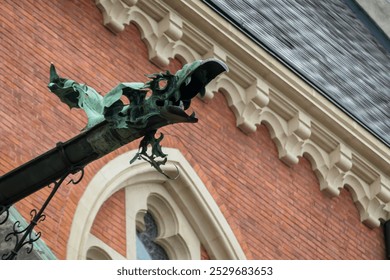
[275, 211]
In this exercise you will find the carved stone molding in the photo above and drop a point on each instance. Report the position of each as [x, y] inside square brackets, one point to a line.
[115, 14]
[181, 230]
[259, 89]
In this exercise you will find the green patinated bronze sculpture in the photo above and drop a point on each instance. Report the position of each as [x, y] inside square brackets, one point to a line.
[128, 112]
[170, 96]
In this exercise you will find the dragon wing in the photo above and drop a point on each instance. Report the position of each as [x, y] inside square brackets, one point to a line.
[77, 95]
[115, 110]
[133, 91]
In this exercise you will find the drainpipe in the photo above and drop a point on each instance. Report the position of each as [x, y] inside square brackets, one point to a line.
[386, 229]
[65, 158]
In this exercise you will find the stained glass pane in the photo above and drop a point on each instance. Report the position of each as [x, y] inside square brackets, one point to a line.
[147, 249]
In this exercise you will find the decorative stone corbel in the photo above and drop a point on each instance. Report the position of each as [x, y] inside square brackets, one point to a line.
[341, 157]
[371, 209]
[160, 28]
[161, 44]
[288, 135]
[115, 13]
[246, 103]
[298, 129]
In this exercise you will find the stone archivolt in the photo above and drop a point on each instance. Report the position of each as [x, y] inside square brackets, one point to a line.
[260, 90]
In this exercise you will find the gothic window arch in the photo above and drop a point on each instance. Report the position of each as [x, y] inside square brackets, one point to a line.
[185, 214]
[97, 253]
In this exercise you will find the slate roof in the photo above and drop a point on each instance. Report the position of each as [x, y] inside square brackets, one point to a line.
[328, 46]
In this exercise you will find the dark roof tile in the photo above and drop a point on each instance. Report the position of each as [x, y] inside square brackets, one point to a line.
[328, 45]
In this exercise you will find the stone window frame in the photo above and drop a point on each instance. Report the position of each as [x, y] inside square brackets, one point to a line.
[191, 216]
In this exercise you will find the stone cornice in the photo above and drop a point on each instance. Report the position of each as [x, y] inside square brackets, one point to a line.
[260, 89]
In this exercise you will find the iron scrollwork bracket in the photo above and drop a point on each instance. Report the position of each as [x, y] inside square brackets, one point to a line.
[27, 236]
[4, 211]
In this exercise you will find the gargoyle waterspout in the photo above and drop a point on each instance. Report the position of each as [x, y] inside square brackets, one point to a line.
[112, 123]
[170, 96]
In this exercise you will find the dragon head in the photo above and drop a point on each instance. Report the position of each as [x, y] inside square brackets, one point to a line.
[172, 94]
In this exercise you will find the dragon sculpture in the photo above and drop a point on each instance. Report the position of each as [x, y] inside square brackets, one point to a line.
[161, 101]
[127, 112]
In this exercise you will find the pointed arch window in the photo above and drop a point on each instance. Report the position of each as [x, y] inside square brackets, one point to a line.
[178, 218]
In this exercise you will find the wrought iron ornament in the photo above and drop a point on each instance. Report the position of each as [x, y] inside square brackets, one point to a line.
[26, 237]
[4, 214]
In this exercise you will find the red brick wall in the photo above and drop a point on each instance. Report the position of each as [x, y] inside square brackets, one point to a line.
[110, 223]
[275, 211]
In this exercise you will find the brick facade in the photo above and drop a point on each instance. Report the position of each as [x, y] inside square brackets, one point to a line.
[275, 211]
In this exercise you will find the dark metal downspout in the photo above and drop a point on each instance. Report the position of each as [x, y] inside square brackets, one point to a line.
[74, 154]
[386, 232]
